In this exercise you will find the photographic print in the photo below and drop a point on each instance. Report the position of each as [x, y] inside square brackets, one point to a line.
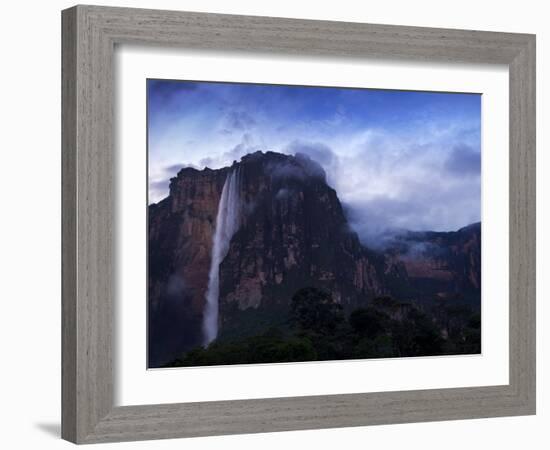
[306, 223]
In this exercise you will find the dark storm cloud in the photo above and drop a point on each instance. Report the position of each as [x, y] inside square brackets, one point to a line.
[164, 90]
[317, 151]
[301, 168]
[463, 160]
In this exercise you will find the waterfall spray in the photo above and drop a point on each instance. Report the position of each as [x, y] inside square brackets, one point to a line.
[227, 223]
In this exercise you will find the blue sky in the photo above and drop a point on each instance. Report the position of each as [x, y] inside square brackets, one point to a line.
[398, 159]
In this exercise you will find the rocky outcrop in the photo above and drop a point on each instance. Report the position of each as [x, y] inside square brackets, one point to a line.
[179, 252]
[441, 264]
[293, 234]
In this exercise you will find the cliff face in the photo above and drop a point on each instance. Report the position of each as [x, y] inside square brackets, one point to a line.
[293, 234]
[179, 250]
[446, 265]
[180, 232]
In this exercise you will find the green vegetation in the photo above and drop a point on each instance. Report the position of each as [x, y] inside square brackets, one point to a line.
[317, 329]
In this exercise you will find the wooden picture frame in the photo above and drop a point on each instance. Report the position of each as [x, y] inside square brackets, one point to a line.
[90, 34]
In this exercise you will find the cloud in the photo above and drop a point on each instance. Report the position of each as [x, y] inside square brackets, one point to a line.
[286, 170]
[247, 144]
[283, 193]
[426, 206]
[463, 160]
[239, 120]
[409, 179]
[396, 159]
[300, 168]
[207, 162]
[159, 185]
[158, 190]
[317, 151]
[175, 168]
[162, 91]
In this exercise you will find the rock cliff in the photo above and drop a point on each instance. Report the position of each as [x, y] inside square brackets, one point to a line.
[179, 250]
[293, 234]
[446, 265]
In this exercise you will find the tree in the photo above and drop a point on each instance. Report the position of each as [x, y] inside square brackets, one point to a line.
[314, 310]
[417, 336]
[369, 322]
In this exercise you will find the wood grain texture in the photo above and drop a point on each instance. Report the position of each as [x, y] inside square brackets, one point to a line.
[523, 224]
[89, 36]
[68, 225]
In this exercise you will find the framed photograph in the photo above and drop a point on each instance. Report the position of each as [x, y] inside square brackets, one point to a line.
[278, 224]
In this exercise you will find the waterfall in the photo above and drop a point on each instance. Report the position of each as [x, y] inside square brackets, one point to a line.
[227, 223]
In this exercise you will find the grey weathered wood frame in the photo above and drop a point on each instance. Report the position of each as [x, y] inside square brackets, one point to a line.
[89, 36]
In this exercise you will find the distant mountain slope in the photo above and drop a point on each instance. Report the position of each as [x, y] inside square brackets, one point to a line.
[444, 265]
